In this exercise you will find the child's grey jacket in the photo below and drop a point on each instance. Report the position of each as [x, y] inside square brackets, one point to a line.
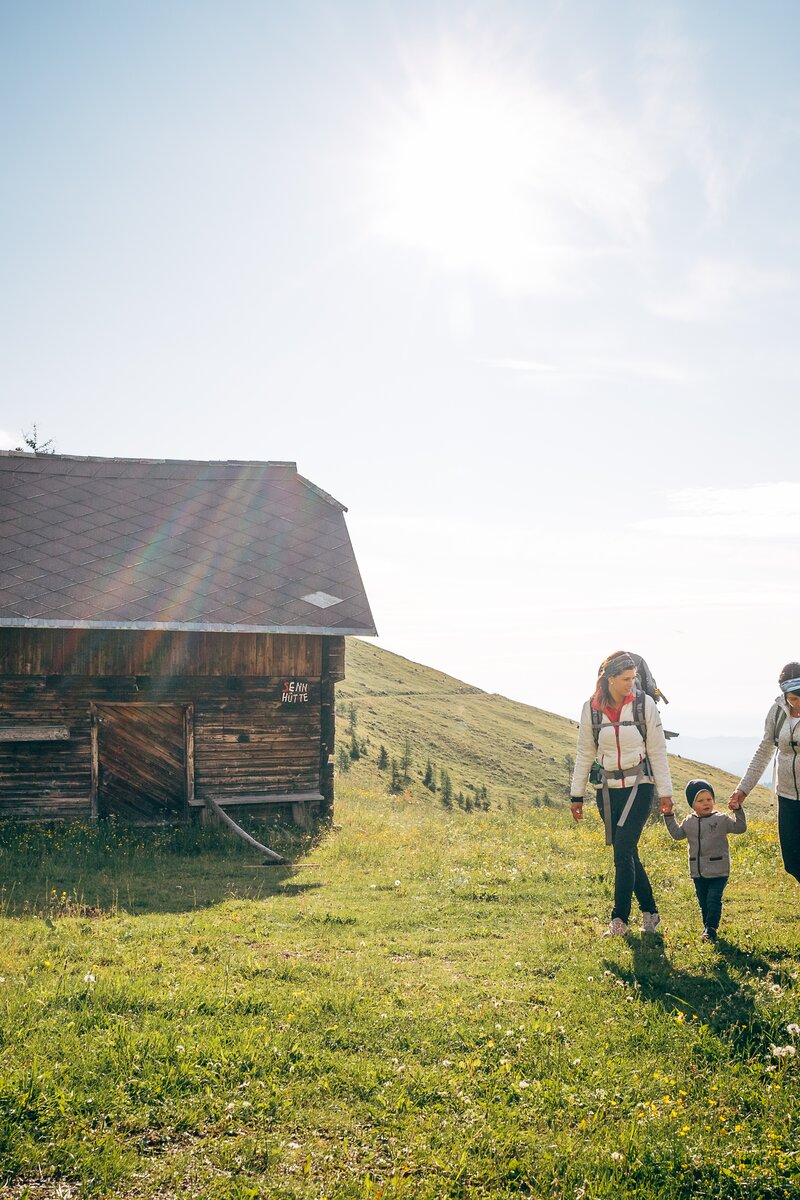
[709, 856]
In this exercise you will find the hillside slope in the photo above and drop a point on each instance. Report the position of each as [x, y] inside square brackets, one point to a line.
[516, 751]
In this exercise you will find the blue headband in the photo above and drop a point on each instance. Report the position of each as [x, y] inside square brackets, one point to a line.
[791, 685]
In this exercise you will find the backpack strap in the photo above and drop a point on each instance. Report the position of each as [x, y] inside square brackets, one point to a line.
[780, 718]
[639, 719]
[597, 721]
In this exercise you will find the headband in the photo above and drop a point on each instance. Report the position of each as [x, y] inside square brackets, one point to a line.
[623, 662]
[791, 685]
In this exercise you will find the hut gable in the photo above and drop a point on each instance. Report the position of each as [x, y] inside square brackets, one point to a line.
[147, 544]
[170, 636]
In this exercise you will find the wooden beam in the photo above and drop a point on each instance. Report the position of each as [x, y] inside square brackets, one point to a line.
[232, 800]
[34, 733]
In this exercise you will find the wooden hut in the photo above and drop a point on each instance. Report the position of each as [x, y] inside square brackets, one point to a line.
[170, 632]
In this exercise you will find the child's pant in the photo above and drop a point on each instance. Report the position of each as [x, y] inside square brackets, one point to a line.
[709, 894]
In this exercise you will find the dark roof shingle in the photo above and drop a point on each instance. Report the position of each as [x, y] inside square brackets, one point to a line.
[132, 543]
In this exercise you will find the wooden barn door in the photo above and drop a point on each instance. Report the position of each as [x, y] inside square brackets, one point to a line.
[143, 769]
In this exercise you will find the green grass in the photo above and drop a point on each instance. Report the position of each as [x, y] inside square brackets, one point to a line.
[423, 1007]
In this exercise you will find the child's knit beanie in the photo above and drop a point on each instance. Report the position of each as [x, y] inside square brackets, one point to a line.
[697, 785]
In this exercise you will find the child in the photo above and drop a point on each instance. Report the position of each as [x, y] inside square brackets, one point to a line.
[707, 829]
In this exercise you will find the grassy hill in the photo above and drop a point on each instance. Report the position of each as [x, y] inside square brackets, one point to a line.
[422, 1007]
[517, 752]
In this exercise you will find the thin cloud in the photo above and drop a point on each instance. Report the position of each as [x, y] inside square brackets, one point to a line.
[525, 365]
[764, 511]
[8, 441]
[712, 286]
[598, 368]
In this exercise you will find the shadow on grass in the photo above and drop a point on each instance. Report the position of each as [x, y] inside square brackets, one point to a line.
[95, 871]
[722, 995]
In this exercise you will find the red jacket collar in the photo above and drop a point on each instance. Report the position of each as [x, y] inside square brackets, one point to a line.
[612, 713]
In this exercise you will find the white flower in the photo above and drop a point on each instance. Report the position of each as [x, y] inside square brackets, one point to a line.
[88, 977]
[397, 883]
[523, 1083]
[783, 1051]
[793, 1030]
[616, 1156]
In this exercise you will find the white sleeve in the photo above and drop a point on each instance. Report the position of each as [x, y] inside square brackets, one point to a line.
[657, 748]
[760, 760]
[584, 755]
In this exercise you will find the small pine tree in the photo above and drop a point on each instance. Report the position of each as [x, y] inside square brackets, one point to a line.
[429, 779]
[33, 442]
[407, 760]
[343, 760]
[396, 784]
[446, 785]
[569, 766]
[353, 720]
[355, 749]
[383, 758]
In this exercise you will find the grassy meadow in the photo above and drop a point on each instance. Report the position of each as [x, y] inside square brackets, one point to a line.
[423, 1005]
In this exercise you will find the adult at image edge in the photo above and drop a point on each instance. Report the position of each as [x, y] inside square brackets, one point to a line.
[781, 733]
[621, 746]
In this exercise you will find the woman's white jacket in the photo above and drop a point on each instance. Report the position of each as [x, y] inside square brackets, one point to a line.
[622, 748]
[788, 746]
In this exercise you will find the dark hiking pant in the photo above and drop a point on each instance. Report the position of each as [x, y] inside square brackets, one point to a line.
[789, 834]
[709, 895]
[630, 877]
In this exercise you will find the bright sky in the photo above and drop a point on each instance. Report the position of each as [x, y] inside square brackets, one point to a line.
[516, 282]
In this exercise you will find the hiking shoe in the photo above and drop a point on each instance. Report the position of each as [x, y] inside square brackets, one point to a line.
[651, 923]
[709, 934]
[617, 928]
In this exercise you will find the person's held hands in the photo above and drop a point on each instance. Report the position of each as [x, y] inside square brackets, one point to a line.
[577, 810]
[665, 805]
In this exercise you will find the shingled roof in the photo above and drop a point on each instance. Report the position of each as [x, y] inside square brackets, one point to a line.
[120, 543]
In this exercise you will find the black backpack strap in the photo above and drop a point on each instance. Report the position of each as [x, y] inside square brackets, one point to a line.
[639, 719]
[597, 721]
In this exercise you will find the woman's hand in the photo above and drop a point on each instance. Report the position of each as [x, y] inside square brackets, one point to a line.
[736, 800]
[577, 810]
[665, 805]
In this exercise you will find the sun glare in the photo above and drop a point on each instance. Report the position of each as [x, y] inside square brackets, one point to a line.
[455, 180]
[495, 171]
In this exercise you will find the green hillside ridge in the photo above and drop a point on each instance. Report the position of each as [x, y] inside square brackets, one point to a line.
[482, 739]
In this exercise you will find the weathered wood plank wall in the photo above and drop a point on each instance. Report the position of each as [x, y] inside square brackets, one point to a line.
[114, 652]
[244, 738]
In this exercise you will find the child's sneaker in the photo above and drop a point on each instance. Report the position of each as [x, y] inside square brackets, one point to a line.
[651, 923]
[617, 928]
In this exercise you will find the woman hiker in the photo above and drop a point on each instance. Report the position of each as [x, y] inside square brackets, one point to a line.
[781, 732]
[621, 732]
